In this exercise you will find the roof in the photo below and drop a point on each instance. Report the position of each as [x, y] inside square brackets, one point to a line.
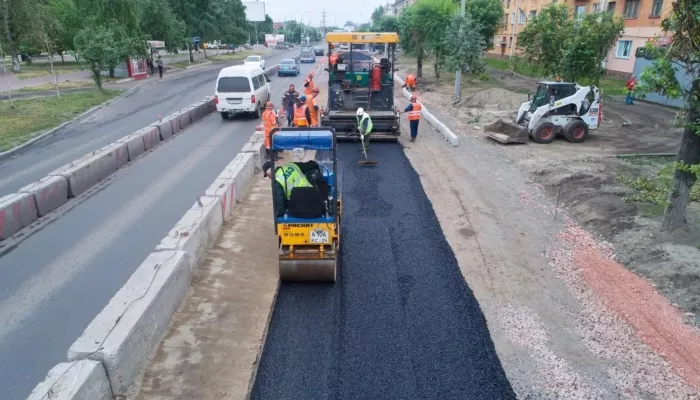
[240, 67]
[307, 139]
[551, 83]
[362, 37]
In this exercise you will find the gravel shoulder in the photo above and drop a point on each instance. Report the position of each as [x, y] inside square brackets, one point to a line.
[567, 318]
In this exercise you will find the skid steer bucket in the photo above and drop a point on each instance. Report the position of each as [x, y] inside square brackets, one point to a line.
[507, 132]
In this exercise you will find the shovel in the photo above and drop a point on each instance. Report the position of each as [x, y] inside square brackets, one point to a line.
[364, 151]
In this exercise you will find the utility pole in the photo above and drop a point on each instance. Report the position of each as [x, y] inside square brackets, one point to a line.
[458, 74]
[323, 23]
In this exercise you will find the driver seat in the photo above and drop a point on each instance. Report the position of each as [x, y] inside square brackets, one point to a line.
[306, 203]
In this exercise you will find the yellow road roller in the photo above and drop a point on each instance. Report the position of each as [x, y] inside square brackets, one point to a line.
[308, 223]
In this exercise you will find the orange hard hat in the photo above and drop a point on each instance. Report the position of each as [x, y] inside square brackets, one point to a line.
[311, 74]
[269, 104]
[413, 97]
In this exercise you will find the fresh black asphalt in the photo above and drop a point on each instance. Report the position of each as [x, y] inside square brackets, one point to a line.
[400, 322]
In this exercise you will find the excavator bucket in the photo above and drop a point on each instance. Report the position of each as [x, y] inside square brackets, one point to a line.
[507, 132]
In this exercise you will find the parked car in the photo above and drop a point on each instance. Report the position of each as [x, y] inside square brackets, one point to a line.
[281, 46]
[307, 55]
[255, 60]
[318, 50]
[288, 66]
[241, 89]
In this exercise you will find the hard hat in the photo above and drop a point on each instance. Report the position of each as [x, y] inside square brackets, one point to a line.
[311, 74]
[413, 97]
[360, 111]
[269, 104]
[302, 98]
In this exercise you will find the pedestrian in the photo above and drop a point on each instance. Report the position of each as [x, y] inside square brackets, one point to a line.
[313, 107]
[364, 125]
[288, 101]
[159, 63]
[413, 111]
[270, 122]
[302, 115]
[149, 63]
[631, 83]
[410, 82]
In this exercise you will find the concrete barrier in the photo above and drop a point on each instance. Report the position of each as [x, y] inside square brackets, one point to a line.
[134, 145]
[84, 380]
[444, 131]
[121, 153]
[196, 230]
[256, 146]
[150, 136]
[166, 127]
[49, 193]
[141, 310]
[185, 116]
[92, 168]
[237, 174]
[17, 210]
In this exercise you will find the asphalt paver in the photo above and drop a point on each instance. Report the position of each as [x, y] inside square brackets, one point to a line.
[400, 322]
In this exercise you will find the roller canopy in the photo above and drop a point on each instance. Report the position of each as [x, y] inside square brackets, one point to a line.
[308, 139]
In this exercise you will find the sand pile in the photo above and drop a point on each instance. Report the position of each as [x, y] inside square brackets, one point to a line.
[496, 98]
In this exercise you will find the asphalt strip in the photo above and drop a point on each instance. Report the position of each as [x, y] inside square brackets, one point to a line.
[400, 322]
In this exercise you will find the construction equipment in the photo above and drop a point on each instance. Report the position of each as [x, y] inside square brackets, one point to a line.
[366, 161]
[557, 107]
[308, 248]
[358, 80]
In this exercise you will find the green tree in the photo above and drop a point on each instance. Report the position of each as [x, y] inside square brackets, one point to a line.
[388, 23]
[466, 45]
[423, 28]
[683, 54]
[488, 15]
[378, 14]
[159, 22]
[592, 38]
[545, 39]
[16, 20]
[102, 48]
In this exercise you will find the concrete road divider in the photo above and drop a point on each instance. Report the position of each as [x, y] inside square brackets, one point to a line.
[134, 145]
[139, 314]
[256, 146]
[185, 116]
[17, 210]
[84, 380]
[237, 174]
[196, 230]
[92, 168]
[49, 193]
[446, 132]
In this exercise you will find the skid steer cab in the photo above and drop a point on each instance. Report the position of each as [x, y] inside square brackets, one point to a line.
[556, 108]
[308, 230]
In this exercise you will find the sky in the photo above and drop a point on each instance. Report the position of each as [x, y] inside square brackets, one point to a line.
[358, 11]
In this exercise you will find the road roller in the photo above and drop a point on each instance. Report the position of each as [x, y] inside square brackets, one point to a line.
[309, 230]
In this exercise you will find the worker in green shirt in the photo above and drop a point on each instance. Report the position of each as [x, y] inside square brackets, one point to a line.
[364, 125]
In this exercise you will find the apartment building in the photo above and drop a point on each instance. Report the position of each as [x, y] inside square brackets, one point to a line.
[642, 22]
[400, 5]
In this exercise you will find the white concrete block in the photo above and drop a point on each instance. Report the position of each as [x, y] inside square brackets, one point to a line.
[237, 172]
[150, 136]
[185, 117]
[17, 210]
[143, 307]
[134, 145]
[49, 193]
[83, 380]
[90, 169]
[196, 230]
[257, 148]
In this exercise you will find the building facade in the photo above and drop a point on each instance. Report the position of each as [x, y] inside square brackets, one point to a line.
[642, 21]
[400, 5]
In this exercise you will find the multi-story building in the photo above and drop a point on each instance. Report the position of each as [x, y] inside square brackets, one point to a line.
[642, 21]
[400, 5]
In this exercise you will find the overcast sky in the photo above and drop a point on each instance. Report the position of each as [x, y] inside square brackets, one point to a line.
[358, 11]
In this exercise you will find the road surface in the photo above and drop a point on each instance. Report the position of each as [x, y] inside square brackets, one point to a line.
[54, 283]
[400, 323]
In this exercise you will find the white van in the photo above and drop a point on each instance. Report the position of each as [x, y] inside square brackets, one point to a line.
[242, 89]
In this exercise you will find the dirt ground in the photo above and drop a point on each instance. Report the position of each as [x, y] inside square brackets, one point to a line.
[583, 178]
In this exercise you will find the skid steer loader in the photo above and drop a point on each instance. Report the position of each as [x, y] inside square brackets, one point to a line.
[557, 108]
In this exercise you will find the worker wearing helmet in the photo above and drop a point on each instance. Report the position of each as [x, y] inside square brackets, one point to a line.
[289, 176]
[302, 115]
[364, 125]
[410, 82]
[270, 122]
[313, 107]
[413, 111]
[309, 84]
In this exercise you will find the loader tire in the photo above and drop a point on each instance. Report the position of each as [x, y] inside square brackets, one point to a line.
[576, 131]
[544, 132]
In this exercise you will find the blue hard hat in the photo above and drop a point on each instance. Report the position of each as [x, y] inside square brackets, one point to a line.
[302, 98]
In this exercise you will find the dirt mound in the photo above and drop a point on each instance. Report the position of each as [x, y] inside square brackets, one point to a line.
[496, 98]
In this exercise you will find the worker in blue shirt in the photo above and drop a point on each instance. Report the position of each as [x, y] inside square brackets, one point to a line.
[413, 111]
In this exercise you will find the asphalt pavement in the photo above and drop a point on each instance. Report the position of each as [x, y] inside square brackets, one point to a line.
[400, 322]
[54, 282]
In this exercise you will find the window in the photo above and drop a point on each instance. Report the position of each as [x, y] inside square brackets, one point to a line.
[505, 21]
[512, 18]
[624, 49]
[579, 12]
[523, 18]
[256, 82]
[596, 8]
[611, 7]
[656, 8]
[631, 9]
[533, 14]
[507, 3]
[233, 84]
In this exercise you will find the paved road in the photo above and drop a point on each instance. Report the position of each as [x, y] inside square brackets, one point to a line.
[55, 282]
[400, 323]
[123, 117]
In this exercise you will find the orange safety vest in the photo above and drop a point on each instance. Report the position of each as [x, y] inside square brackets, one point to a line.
[300, 116]
[269, 123]
[311, 103]
[414, 114]
[309, 89]
[334, 59]
[411, 81]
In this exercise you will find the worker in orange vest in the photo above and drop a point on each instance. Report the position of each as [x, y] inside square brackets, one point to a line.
[410, 83]
[309, 84]
[270, 122]
[413, 111]
[333, 59]
[313, 107]
[302, 115]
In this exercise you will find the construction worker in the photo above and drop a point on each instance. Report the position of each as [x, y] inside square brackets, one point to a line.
[270, 122]
[288, 101]
[309, 84]
[332, 59]
[313, 107]
[629, 86]
[288, 176]
[364, 125]
[302, 115]
[410, 82]
[413, 111]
